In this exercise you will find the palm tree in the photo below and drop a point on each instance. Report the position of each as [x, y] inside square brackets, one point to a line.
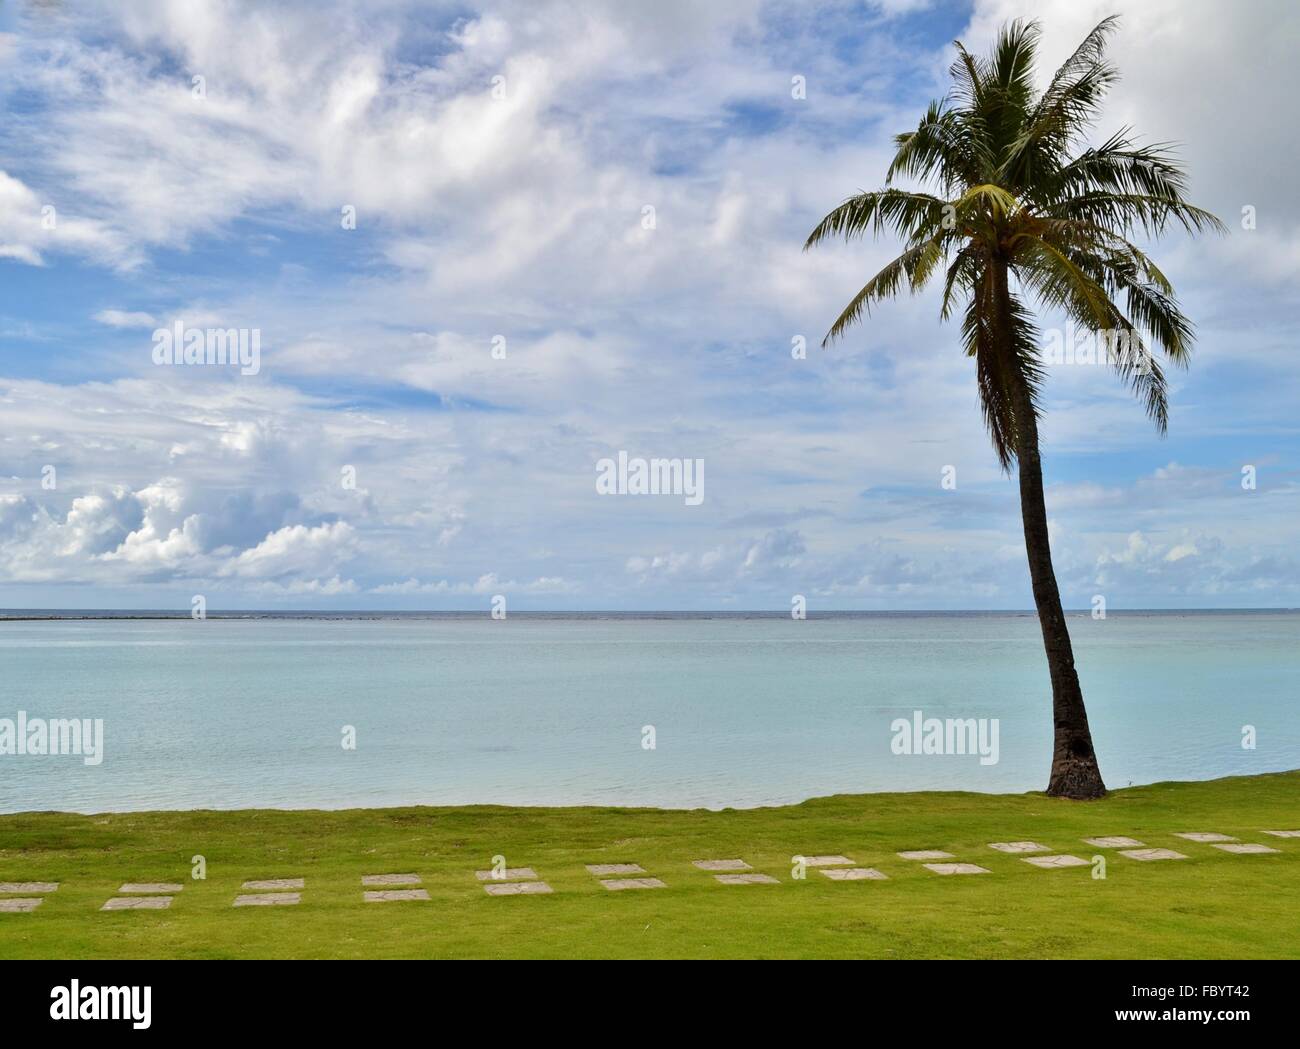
[1021, 208]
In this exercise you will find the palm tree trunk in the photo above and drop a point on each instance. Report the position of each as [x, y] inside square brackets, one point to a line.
[1074, 763]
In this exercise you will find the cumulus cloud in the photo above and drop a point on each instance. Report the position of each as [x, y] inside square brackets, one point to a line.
[502, 316]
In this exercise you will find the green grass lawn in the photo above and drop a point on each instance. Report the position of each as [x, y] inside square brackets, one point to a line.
[1211, 905]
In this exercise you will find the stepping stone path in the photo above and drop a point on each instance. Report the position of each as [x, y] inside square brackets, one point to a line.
[1284, 833]
[743, 879]
[147, 896]
[1019, 846]
[601, 870]
[735, 878]
[507, 874]
[269, 893]
[955, 868]
[853, 874]
[137, 903]
[1246, 848]
[1204, 837]
[927, 854]
[619, 884]
[268, 899]
[393, 895]
[1152, 854]
[24, 904]
[512, 881]
[1115, 842]
[391, 879]
[517, 888]
[1053, 862]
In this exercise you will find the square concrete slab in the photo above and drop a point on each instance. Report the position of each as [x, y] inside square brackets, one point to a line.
[507, 874]
[517, 888]
[619, 884]
[853, 874]
[1203, 836]
[268, 899]
[1018, 846]
[1115, 842]
[926, 854]
[744, 879]
[1152, 854]
[955, 868]
[151, 887]
[1052, 862]
[1284, 833]
[28, 886]
[19, 905]
[722, 865]
[392, 895]
[138, 903]
[391, 879]
[602, 869]
[274, 884]
[1246, 848]
[827, 861]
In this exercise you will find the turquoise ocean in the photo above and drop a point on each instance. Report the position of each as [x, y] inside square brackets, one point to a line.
[560, 709]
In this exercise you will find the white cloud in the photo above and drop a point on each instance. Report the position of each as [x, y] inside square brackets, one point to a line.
[125, 319]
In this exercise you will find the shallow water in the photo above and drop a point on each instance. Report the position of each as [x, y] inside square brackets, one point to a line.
[552, 709]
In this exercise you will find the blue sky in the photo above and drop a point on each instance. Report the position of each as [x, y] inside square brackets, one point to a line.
[520, 214]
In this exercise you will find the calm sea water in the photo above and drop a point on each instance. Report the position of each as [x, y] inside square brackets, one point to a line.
[553, 709]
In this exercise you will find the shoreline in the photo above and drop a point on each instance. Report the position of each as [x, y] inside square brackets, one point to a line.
[495, 808]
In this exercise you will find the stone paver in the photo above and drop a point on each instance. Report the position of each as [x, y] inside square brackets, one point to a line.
[274, 884]
[926, 854]
[744, 879]
[1052, 862]
[1246, 848]
[827, 861]
[517, 888]
[853, 874]
[137, 903]
[507, 874]
[391, 879]
[1018, 846]
[1203, 836]
[1152, 854]
[268, 899]
[619, 884]
[602, 869]
[1284, 833]
[1115, 841]
[20, 905]
[392, 895]
[955, 868]
[28, 886]
[150, 887]
[722, 865]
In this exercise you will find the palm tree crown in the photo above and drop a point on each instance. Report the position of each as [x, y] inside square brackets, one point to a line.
[1016, 192]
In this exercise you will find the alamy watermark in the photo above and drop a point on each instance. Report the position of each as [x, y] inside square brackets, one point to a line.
[233, 347]
[39, 737]
[635, 476]
[922, 735]
[1118, 347]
